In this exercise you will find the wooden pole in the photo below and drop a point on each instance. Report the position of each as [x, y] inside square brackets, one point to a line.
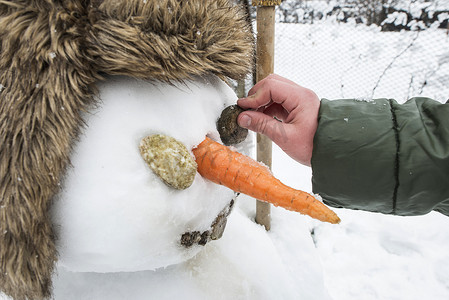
[264, 67]
[241, 88]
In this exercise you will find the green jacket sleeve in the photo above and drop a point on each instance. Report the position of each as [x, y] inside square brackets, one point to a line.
[382, 156]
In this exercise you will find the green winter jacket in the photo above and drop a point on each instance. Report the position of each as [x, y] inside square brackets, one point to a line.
[382, 156]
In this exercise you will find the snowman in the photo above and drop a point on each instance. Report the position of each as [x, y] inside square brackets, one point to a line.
[82, 83]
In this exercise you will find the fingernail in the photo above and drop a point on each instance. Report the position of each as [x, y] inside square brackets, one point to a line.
[245, 121]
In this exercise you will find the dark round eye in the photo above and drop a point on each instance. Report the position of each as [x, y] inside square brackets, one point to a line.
[230, 132]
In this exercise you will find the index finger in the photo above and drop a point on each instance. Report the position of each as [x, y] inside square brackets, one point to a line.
[281, 92]
[268, 78]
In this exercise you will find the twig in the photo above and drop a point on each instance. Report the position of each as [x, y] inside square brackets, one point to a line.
[431, 73]
[342, 85]
[393, 61]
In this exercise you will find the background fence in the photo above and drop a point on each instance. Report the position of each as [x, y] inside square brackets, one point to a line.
[364, 48]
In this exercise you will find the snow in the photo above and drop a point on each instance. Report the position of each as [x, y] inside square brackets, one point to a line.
[397, 18]
[374, 256]
[367, 256]
[247, 263]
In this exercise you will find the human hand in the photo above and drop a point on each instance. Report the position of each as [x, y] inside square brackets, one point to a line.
[285, 112]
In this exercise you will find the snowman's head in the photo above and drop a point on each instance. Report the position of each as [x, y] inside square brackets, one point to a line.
[53, 54]
[114, 212]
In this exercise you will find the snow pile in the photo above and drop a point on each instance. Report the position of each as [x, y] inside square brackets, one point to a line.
[369, 255]
[246, 263]
[385, 257]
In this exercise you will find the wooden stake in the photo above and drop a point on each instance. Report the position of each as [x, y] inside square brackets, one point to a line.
[241, 88]
[264, 67]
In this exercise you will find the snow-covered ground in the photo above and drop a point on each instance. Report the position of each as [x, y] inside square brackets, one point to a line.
[367, 256]
[375, 256]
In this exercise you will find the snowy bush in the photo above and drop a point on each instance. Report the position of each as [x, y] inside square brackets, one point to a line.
[392, 15]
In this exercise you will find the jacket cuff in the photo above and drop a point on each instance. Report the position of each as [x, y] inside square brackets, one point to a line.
[354, 155]
[423, 156]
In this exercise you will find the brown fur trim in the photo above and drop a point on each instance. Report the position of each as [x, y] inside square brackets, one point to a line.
[46, 85]
[171, 40]
[51, 53]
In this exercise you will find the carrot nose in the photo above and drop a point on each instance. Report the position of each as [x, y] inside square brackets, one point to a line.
[172, 162]
[242, 174]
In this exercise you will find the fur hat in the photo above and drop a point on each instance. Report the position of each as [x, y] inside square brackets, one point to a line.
[52, 52]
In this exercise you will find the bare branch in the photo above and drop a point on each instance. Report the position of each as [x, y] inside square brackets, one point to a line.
[392, 62]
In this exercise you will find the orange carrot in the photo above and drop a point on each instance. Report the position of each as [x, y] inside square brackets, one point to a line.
[242, 174]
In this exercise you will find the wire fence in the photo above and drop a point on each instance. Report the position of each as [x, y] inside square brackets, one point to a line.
[333, 49]
[344, 60]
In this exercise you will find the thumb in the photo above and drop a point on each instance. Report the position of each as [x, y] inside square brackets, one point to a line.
[264, 124]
